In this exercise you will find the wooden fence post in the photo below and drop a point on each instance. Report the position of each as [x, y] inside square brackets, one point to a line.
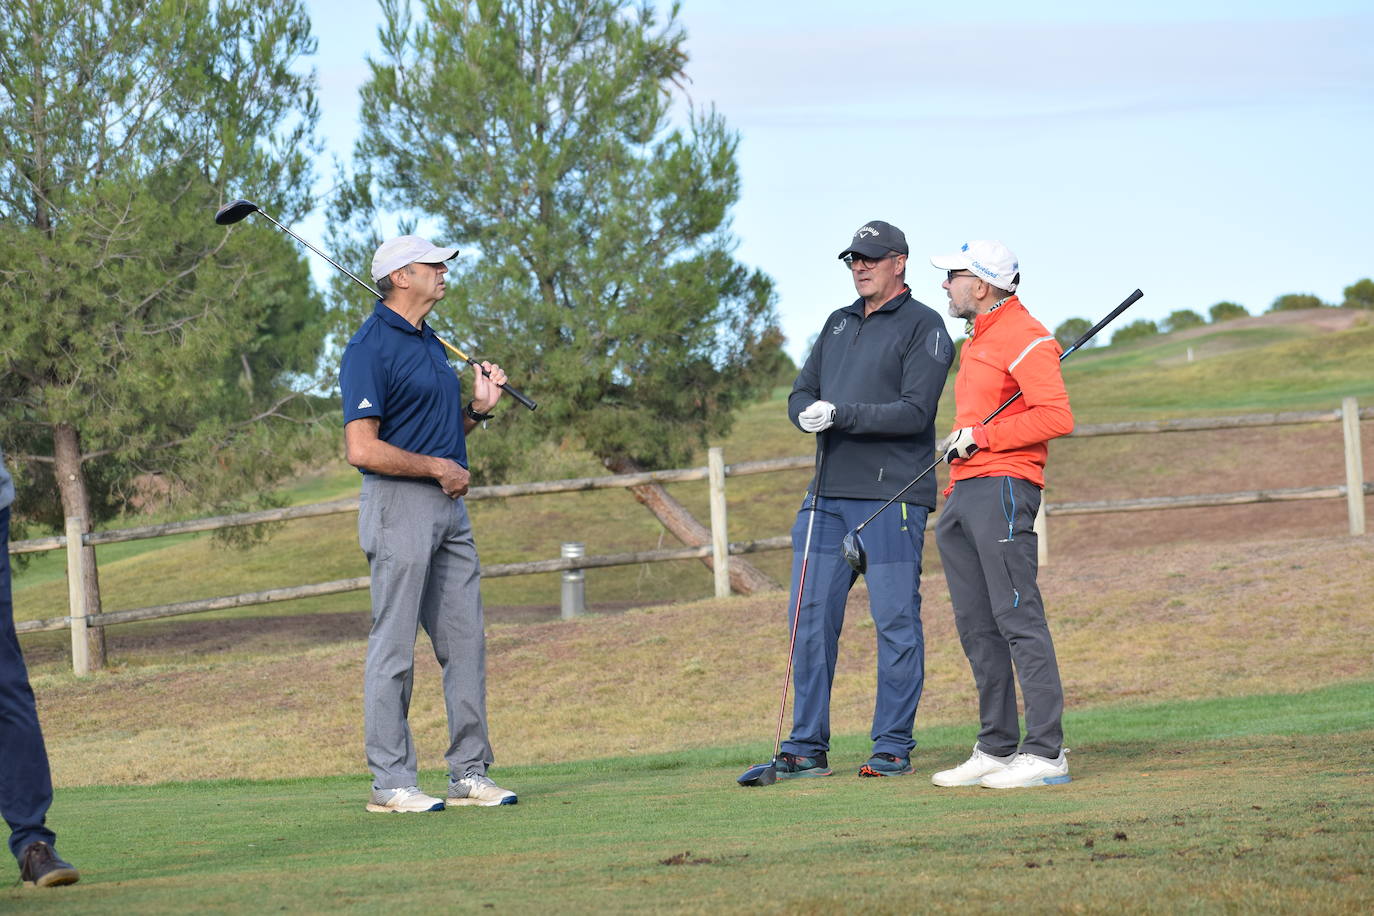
[720, 538]
[1354, 465]
[76, 597]
[1042, 534]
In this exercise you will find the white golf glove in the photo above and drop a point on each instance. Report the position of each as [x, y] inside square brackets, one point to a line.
[818, 417]
[963, 442]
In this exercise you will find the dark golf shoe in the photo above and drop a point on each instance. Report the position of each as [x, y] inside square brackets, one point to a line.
[39, 866]
[885, 764]
[792, 766]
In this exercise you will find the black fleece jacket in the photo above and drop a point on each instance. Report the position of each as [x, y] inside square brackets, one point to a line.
[884, 374]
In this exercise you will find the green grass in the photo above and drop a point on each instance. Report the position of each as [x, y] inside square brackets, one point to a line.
[1259, 370]
[1250, 804]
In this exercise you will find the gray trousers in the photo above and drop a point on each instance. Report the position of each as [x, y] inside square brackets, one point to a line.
[425, 573]
[988, 549]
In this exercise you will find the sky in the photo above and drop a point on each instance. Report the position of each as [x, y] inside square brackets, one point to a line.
[1202, 151]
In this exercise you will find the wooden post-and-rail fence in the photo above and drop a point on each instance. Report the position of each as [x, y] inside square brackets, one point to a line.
[719, 549]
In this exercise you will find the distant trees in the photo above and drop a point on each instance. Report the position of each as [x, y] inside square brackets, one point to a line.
[1181, 319]
[1136, 330]
[1359, 295]
[1070, 330]
[1292, 302]
[1225, 311]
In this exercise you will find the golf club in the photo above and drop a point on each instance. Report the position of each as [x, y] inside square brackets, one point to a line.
[765, 774]
[236, 210]
[853, 546]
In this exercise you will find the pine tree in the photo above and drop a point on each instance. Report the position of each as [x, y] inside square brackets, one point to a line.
[137, 338]
[538, 136]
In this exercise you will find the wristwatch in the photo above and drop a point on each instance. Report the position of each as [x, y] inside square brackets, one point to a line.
[474, 415]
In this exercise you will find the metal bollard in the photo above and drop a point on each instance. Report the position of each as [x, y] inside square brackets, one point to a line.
[574, 583]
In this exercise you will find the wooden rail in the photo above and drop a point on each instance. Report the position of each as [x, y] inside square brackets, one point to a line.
[1349, 415]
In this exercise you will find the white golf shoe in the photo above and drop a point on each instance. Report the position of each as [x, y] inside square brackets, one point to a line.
[474, 789]
[972, 770]
[402, 801]
[1029, 770]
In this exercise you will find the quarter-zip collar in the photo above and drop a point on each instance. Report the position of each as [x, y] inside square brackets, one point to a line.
[982, 322]
[891, 305]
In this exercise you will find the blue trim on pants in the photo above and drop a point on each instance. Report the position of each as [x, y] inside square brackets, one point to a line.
[988, 547]
[893, 542]
[25, 781]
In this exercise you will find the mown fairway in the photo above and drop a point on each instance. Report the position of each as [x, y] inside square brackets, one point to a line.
[1256, 804]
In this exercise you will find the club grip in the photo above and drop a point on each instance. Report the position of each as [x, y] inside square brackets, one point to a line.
[505, 386]
[1092, 331]
[519, 396]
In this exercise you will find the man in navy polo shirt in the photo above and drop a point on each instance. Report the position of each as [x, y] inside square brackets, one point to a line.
[869, 389]
[405, 428]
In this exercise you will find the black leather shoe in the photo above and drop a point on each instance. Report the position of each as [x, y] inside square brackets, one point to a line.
[39, 866]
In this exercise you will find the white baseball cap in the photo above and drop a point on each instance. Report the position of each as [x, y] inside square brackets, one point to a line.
[992, 261]
[407, 249]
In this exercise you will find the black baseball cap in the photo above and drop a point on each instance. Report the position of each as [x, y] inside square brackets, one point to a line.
[875, 238]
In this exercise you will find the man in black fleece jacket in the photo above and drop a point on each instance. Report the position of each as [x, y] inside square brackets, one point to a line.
[869, 391]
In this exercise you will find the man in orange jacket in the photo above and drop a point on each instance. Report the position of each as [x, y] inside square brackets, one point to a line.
[985, 532]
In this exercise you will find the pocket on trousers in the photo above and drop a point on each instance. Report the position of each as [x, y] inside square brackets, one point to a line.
[372, 528]
[1020, 548]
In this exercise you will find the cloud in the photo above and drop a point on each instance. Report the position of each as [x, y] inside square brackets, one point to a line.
[1003, 68]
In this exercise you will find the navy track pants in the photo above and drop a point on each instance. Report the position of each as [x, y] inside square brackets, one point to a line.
[893, 542]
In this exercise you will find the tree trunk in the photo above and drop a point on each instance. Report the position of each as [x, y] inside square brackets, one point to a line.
[71, 483]
[745, 578]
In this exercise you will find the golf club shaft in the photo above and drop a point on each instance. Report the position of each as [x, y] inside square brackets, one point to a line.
[801, 589]
[513, 392]
[1087, 336]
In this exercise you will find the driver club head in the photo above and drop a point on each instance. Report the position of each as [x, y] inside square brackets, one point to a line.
[852, 547]
[763, 774]
[234, 211]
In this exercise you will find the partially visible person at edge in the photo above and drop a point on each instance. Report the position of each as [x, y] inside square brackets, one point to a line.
[985, 531]
[869, 390]
[25, 780]
[405, 428]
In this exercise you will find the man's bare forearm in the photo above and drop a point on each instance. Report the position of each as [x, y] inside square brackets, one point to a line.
[384, 458]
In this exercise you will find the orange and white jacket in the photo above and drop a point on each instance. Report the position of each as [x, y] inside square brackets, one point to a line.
[1009, 351]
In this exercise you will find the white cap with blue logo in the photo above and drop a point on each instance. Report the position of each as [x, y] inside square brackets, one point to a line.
[992, 261]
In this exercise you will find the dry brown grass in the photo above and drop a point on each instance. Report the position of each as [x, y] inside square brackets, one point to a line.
[257, 698]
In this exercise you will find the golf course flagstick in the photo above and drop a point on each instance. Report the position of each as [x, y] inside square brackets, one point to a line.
[853, 546]
[236, 210]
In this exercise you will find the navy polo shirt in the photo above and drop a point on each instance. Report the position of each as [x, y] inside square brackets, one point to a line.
[400, 374]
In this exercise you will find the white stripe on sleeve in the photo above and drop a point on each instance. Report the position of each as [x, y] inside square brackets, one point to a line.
[1029, 347]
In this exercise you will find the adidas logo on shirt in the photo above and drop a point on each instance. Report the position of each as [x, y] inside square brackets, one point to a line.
[364, 404]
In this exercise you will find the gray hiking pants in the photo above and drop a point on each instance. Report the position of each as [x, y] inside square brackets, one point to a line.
[988, 549]
[425, 573]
